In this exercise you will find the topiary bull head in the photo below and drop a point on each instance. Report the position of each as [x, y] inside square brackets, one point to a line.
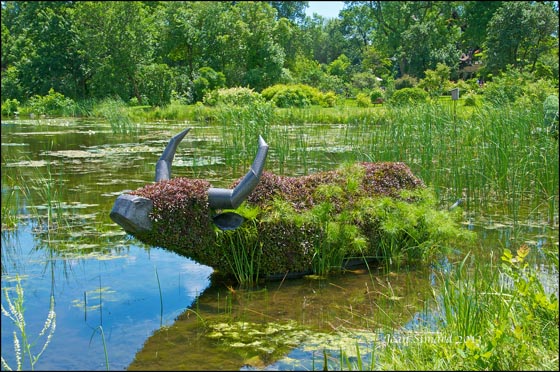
[134, 212]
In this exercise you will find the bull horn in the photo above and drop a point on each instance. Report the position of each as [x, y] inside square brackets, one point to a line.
[231, 199]
[163, 165]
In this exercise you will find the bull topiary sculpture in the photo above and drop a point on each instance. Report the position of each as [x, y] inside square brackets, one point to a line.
[276, 226]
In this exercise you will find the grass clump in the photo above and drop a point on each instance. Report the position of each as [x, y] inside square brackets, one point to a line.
[504, 319]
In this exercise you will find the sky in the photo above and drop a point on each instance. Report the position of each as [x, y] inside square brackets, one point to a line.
[328, 9]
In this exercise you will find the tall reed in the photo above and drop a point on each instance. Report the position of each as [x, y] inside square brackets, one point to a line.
[242, 252]
[116, 113]
[487, 155]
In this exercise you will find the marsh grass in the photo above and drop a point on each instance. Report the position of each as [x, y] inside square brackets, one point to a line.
[40, 197]
[485, 317]
[243, 252]
[23, 344]
[46, 193]
[99, 329]
[117, 114]
[487, 155]
[12, 201]
[160, 300]
[241, 127]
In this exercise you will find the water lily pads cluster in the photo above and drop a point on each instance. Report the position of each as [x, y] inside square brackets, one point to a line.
[308, 224]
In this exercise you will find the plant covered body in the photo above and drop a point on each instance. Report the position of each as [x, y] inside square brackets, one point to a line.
[301, 225]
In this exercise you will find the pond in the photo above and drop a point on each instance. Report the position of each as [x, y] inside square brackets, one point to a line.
[121, 304]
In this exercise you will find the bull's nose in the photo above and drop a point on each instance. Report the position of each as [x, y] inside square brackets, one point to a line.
[132, 212]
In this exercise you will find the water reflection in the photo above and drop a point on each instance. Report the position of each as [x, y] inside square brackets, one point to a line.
[283, 324]
[115, 288]
[344, 313]
[59, 179]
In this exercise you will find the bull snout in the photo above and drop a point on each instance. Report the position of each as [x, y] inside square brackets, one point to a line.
[132, 213]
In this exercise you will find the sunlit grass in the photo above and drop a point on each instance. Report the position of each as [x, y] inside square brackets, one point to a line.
[24, 344]
[488, 318]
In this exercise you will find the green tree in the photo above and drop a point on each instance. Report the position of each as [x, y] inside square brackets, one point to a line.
[181, 31]
[292, 39]
[358, 25]
[11, 87]
[115, 41]
[206, 81]
[425, 44]
[262, 57]
[292, 10]
[375, 62]
[519, 33]
[322, 39]
[417, 35]
[155, 82]
[475, 18]
[340, 67]
[40, 40]
[435, 82]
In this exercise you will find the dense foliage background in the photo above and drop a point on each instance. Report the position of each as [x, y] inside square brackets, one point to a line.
[152, 52]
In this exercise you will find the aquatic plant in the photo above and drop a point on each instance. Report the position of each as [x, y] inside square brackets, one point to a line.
[22, 343]
[115, 112]
[485, 318]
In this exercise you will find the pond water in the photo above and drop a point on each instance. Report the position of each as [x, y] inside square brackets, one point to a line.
[121, 304]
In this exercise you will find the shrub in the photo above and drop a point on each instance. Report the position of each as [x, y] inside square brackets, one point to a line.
[409, 96]
[298, 95]
[519, 87]
[436, 81]
[238, 96]
[375, 94]
[10, 107]
[405, 81]
[328, 99]
[470, 99]
[156, 83]
[206, 81]
[363, 100]
[465, 86]
[53, 103]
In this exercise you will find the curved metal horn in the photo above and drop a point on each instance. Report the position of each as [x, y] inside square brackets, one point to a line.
[163, 165]
[231, 199]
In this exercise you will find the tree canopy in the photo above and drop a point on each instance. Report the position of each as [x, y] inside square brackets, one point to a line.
[146, 50]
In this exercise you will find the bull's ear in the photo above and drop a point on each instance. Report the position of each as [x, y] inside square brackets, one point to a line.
[228, 220]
